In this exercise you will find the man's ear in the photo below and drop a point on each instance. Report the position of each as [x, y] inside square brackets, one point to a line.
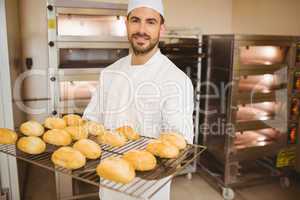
[162, 30]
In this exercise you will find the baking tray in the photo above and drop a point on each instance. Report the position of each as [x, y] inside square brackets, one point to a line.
[144, 186]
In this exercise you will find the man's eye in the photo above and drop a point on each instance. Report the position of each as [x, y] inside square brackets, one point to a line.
[151, 22]
[134, 21]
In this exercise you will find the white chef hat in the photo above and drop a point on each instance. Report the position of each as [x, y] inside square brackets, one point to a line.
[156, 5]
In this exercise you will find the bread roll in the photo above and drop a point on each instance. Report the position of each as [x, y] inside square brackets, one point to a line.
[141, 160]
[73, 120]
[55, 123]
[175, 139]
[31, 145]
[7, 136]
[94, 128]
[77, 132]
[116, 169]
[68, 158]
[114, 139]
[129, 132]
[88, 148]
[58, 137]
[162, 149]
[32, 128]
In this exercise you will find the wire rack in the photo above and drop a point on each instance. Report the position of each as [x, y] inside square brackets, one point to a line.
[144, 186]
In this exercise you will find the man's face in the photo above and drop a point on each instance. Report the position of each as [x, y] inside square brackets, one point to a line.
[143, 29]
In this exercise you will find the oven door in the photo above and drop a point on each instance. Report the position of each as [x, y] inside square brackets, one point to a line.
[260, 99]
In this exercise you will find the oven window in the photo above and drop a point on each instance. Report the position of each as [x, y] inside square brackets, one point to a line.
[89, 58]
[77, 90]
[261, 83]
[256, 138]
[260, 112]
[91, 25]
[263, 55]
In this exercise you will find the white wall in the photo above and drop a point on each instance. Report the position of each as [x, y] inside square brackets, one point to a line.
[33, 20]
[276, 17]
[212, 16]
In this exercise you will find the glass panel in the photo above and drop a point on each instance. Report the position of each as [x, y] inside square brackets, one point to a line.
[262, 55]
[77, 90]
[260, 83]
[90, 58]
[91, 25]
[258, 111]
[256, 138]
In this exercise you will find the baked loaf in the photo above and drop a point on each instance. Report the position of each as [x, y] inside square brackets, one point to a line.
[73, 120]
[7, 136]
[32, 128]
[116, 169]
[129, 132]
[88, 148]
[94, 128]
[68, 158]
[31, 145]
[58, 137]
[77, 132]
[175, 139]
[141, 160]
[114, 139]
[55, 123]
[162, 149]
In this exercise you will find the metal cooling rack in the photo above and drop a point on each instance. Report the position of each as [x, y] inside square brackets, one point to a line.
[144, 186]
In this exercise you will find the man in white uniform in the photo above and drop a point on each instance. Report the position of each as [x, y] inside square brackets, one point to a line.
[145, 89]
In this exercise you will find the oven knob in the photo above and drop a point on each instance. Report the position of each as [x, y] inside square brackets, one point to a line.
[50, 7]
[53, 79]
[51, 44]
[54, 112]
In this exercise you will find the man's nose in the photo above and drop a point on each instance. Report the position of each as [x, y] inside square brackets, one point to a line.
[142, 27]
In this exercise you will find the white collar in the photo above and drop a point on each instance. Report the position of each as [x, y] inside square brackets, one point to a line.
[151, 61]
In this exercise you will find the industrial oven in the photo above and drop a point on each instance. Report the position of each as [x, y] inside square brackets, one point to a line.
[82, 40]
[245, 105]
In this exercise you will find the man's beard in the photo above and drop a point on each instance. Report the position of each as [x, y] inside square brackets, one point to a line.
[137, 50]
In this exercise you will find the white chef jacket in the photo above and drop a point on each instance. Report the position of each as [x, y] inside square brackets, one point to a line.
[153, 97]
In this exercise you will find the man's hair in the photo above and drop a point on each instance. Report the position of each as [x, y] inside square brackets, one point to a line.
[162, 19]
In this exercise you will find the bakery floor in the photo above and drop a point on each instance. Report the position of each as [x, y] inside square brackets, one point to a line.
[37, 183]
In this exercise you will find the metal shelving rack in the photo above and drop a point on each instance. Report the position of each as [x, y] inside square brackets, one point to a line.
[183, 48]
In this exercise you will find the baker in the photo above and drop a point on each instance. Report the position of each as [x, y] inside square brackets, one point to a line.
[144, 90]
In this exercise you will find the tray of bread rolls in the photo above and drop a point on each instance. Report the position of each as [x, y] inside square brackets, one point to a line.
[119, 160]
